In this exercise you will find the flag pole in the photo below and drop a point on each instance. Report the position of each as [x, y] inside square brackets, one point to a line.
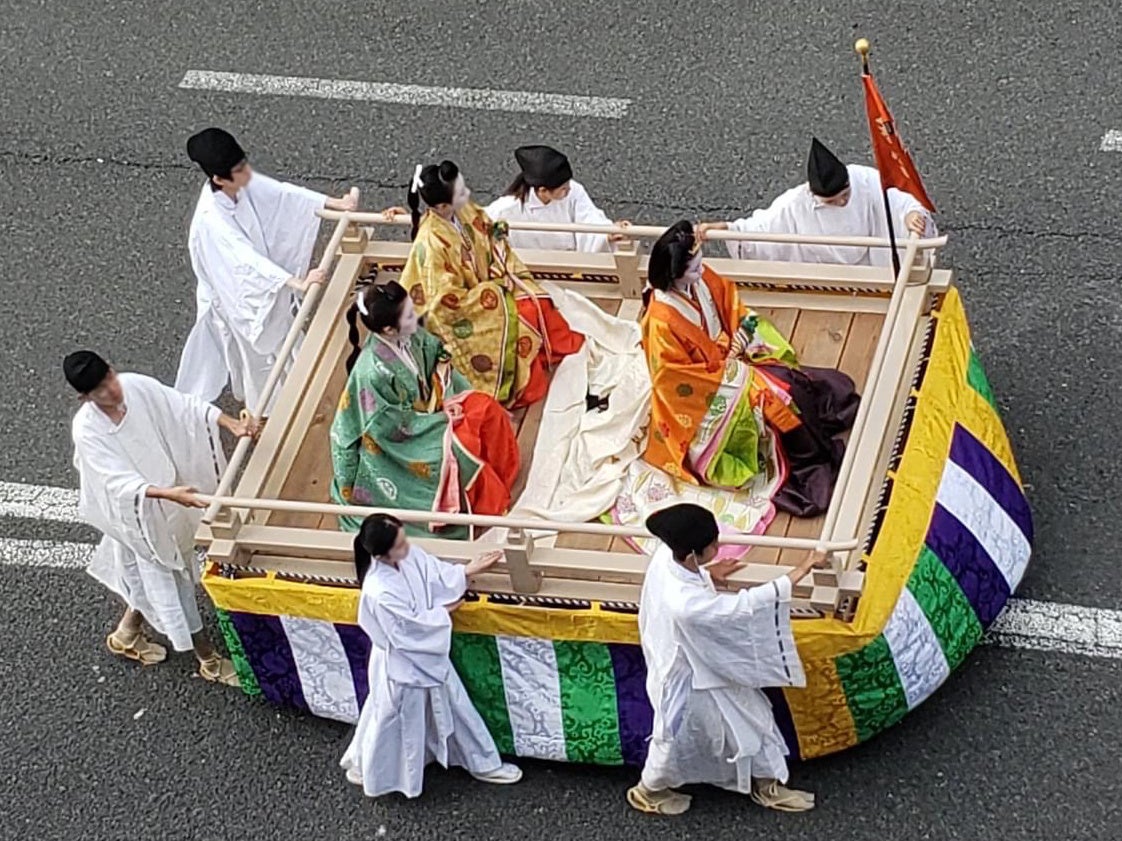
[862, 47]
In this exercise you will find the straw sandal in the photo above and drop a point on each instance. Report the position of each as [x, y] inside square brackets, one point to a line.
[139, 648]
[219, 670]
[771, 795]
[663, 802]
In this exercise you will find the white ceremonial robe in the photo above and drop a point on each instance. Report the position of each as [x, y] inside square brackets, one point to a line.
[576, 207]
[798, 211]
[147, 554]
[243, 253]
[707, 655]
[417, 711]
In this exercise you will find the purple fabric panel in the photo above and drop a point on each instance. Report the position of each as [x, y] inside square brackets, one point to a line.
[270, 656]
[636, 718]
[357, 646]
[783, 718]
[972, 456]
[985, 587]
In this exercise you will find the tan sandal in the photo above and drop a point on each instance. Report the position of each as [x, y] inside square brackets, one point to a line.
[771, 795]
[663, 802]
[219, 670]
[139, 648]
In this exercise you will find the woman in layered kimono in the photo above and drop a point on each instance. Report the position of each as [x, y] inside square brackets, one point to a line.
[409, 432]
[724, 380]
[500, 327]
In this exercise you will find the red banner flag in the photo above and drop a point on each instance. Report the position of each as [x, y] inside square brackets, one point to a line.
[895, 164]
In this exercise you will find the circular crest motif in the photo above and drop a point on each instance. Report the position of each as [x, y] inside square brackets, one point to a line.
[482, 363]
[463, 328]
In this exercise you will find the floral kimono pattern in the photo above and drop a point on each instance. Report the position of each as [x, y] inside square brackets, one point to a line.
[712, 410]
[477, 296]
[419, 440]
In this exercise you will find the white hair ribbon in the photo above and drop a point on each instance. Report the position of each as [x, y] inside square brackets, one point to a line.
[360, 301]
[416, 185]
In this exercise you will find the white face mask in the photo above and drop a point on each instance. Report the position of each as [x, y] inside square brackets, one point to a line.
[407, 325]
[460, 194]
[692, 274]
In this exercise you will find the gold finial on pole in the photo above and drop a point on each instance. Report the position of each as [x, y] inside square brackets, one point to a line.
[862, 47]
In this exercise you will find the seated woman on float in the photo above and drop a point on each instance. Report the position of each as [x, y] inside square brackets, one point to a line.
[409, 432]
[500, 327]
[724, 379]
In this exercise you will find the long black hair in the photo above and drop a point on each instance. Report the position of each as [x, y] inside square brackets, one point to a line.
[376, 536]
[670, 257]
[519, 188]
[383, 303]
[438, 185]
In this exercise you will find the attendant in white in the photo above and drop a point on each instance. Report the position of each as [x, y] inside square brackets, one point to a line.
[143, 451]
[251, 242]
[708, 654]
[418, 710]
[544, 191]
[836, 200]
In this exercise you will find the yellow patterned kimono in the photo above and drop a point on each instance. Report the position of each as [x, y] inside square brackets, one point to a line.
[478, 297]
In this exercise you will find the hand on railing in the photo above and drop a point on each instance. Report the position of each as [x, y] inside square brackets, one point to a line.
[619, 223]
[813, 560]
[390, 212]
[313, 277]
[483, 563]
[346, 203]
[916, 223]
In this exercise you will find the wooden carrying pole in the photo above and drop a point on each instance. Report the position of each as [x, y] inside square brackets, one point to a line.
[307, 307]
[525, 524]
[652, 232]
[875, 369]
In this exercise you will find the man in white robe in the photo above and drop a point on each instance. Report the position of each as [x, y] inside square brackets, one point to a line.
[250, 241]
[544, 191]
[417, 711]
[836, 200]
[143, 451]
[708, 655]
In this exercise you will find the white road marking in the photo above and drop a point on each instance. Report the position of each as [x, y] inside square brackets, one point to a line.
[1112, 141]
[1026, 623]
[38, 502]
[477, 98]
[59, 554]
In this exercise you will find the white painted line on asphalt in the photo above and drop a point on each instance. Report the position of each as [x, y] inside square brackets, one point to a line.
[1112, 141]
[38, 502]
[1066, 628]
[487, 100]
[59, 554]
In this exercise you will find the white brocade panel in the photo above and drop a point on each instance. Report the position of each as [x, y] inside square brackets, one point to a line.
[533, 697]
[972, 505]
[919, 659]
[325, 672]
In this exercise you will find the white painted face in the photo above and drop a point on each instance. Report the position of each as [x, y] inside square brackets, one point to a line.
[460, 193]
[407, 325]
[692, 274]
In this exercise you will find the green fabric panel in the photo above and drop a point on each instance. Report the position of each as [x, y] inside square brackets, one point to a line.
[739, 458]
[939, 595]
[872, 688]
[588, 702]
[246, 676]
[976, 377]
[476, 659]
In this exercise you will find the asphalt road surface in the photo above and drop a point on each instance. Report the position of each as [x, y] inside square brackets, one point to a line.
[1003, 106]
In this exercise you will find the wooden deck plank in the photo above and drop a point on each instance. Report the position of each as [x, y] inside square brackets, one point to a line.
[311, 473]
[860, 345]
[819, 340]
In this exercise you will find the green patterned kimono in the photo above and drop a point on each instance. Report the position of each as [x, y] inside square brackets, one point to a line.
[388, 444]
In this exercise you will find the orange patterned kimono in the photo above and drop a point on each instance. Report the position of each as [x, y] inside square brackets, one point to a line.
[482, 302]
[709, 408]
